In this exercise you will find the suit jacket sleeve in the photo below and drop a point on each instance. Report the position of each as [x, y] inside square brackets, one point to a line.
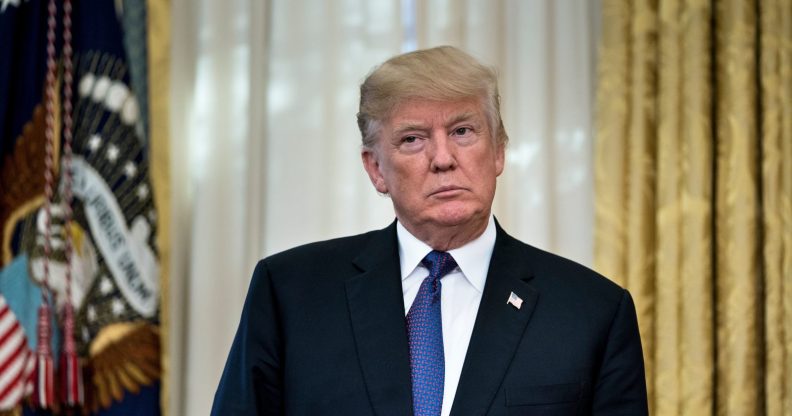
[621, 385]
[252, 378]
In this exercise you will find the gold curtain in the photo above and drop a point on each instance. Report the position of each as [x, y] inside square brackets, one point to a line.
[159, 48]
[693, 174]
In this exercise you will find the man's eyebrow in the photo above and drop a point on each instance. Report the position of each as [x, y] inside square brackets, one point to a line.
[461, 117]
[407, 126]
[415, 125]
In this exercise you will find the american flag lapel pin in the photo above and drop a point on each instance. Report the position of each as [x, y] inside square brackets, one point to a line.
[514, 300]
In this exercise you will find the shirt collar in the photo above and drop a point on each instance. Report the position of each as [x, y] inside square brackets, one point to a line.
[473, 258]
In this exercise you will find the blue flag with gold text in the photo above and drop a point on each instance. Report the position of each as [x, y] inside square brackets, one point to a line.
[115, 265]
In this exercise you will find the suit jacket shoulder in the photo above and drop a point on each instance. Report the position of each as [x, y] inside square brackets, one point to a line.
[322, 332]
[326, 258]
[571, 279]
[571, 347]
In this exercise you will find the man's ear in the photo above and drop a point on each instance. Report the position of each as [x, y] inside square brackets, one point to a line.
[372, 166]
[500, 158]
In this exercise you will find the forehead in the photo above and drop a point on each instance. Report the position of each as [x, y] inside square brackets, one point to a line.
[429, 113]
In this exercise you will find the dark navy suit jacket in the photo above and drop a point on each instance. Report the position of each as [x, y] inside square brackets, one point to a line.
[323, 333]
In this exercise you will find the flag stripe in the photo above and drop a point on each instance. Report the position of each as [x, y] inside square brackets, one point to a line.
[16, 363]
[7, 361]
[10, 397]
[15, 385]
[9, 332]
[11, 342]
[7, 318]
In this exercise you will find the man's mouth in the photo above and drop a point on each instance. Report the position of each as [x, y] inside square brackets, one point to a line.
[446, 191]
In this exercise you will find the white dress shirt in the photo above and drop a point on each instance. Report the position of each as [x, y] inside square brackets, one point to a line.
[460, 297]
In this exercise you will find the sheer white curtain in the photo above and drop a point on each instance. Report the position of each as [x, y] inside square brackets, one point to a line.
[320, 51]
[266, 148]
[218, 90]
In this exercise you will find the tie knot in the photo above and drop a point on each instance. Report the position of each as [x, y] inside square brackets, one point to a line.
[439, 263]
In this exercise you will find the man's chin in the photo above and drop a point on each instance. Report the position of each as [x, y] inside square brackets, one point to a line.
[458, 217]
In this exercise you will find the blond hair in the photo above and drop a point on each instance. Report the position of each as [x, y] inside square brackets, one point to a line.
[444, 73]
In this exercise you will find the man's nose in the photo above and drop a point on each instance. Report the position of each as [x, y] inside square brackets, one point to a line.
[443, 156]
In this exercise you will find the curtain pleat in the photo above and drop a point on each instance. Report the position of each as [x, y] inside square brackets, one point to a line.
[641, 142]
[159, 80]
[693, 201]
[668, 388]
[738, 304]
[776, 92]
[694, 210]
[610, 154]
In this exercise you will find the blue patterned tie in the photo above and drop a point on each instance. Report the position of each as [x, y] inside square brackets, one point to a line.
[425, 332]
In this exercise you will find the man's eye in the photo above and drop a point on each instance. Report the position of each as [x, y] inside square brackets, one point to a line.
[461, 131]
[409, 139]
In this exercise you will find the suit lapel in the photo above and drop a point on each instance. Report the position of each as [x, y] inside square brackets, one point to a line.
[376, 308]
[498, 329]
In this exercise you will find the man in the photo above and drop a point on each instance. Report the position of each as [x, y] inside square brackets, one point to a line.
[441, 312]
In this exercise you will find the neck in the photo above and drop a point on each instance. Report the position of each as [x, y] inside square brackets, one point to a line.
[442, 237]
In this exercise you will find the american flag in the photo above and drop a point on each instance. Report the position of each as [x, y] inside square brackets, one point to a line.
[16, 360]
[515, 300]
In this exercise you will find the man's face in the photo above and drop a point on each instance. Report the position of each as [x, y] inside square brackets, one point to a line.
[438, 161]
